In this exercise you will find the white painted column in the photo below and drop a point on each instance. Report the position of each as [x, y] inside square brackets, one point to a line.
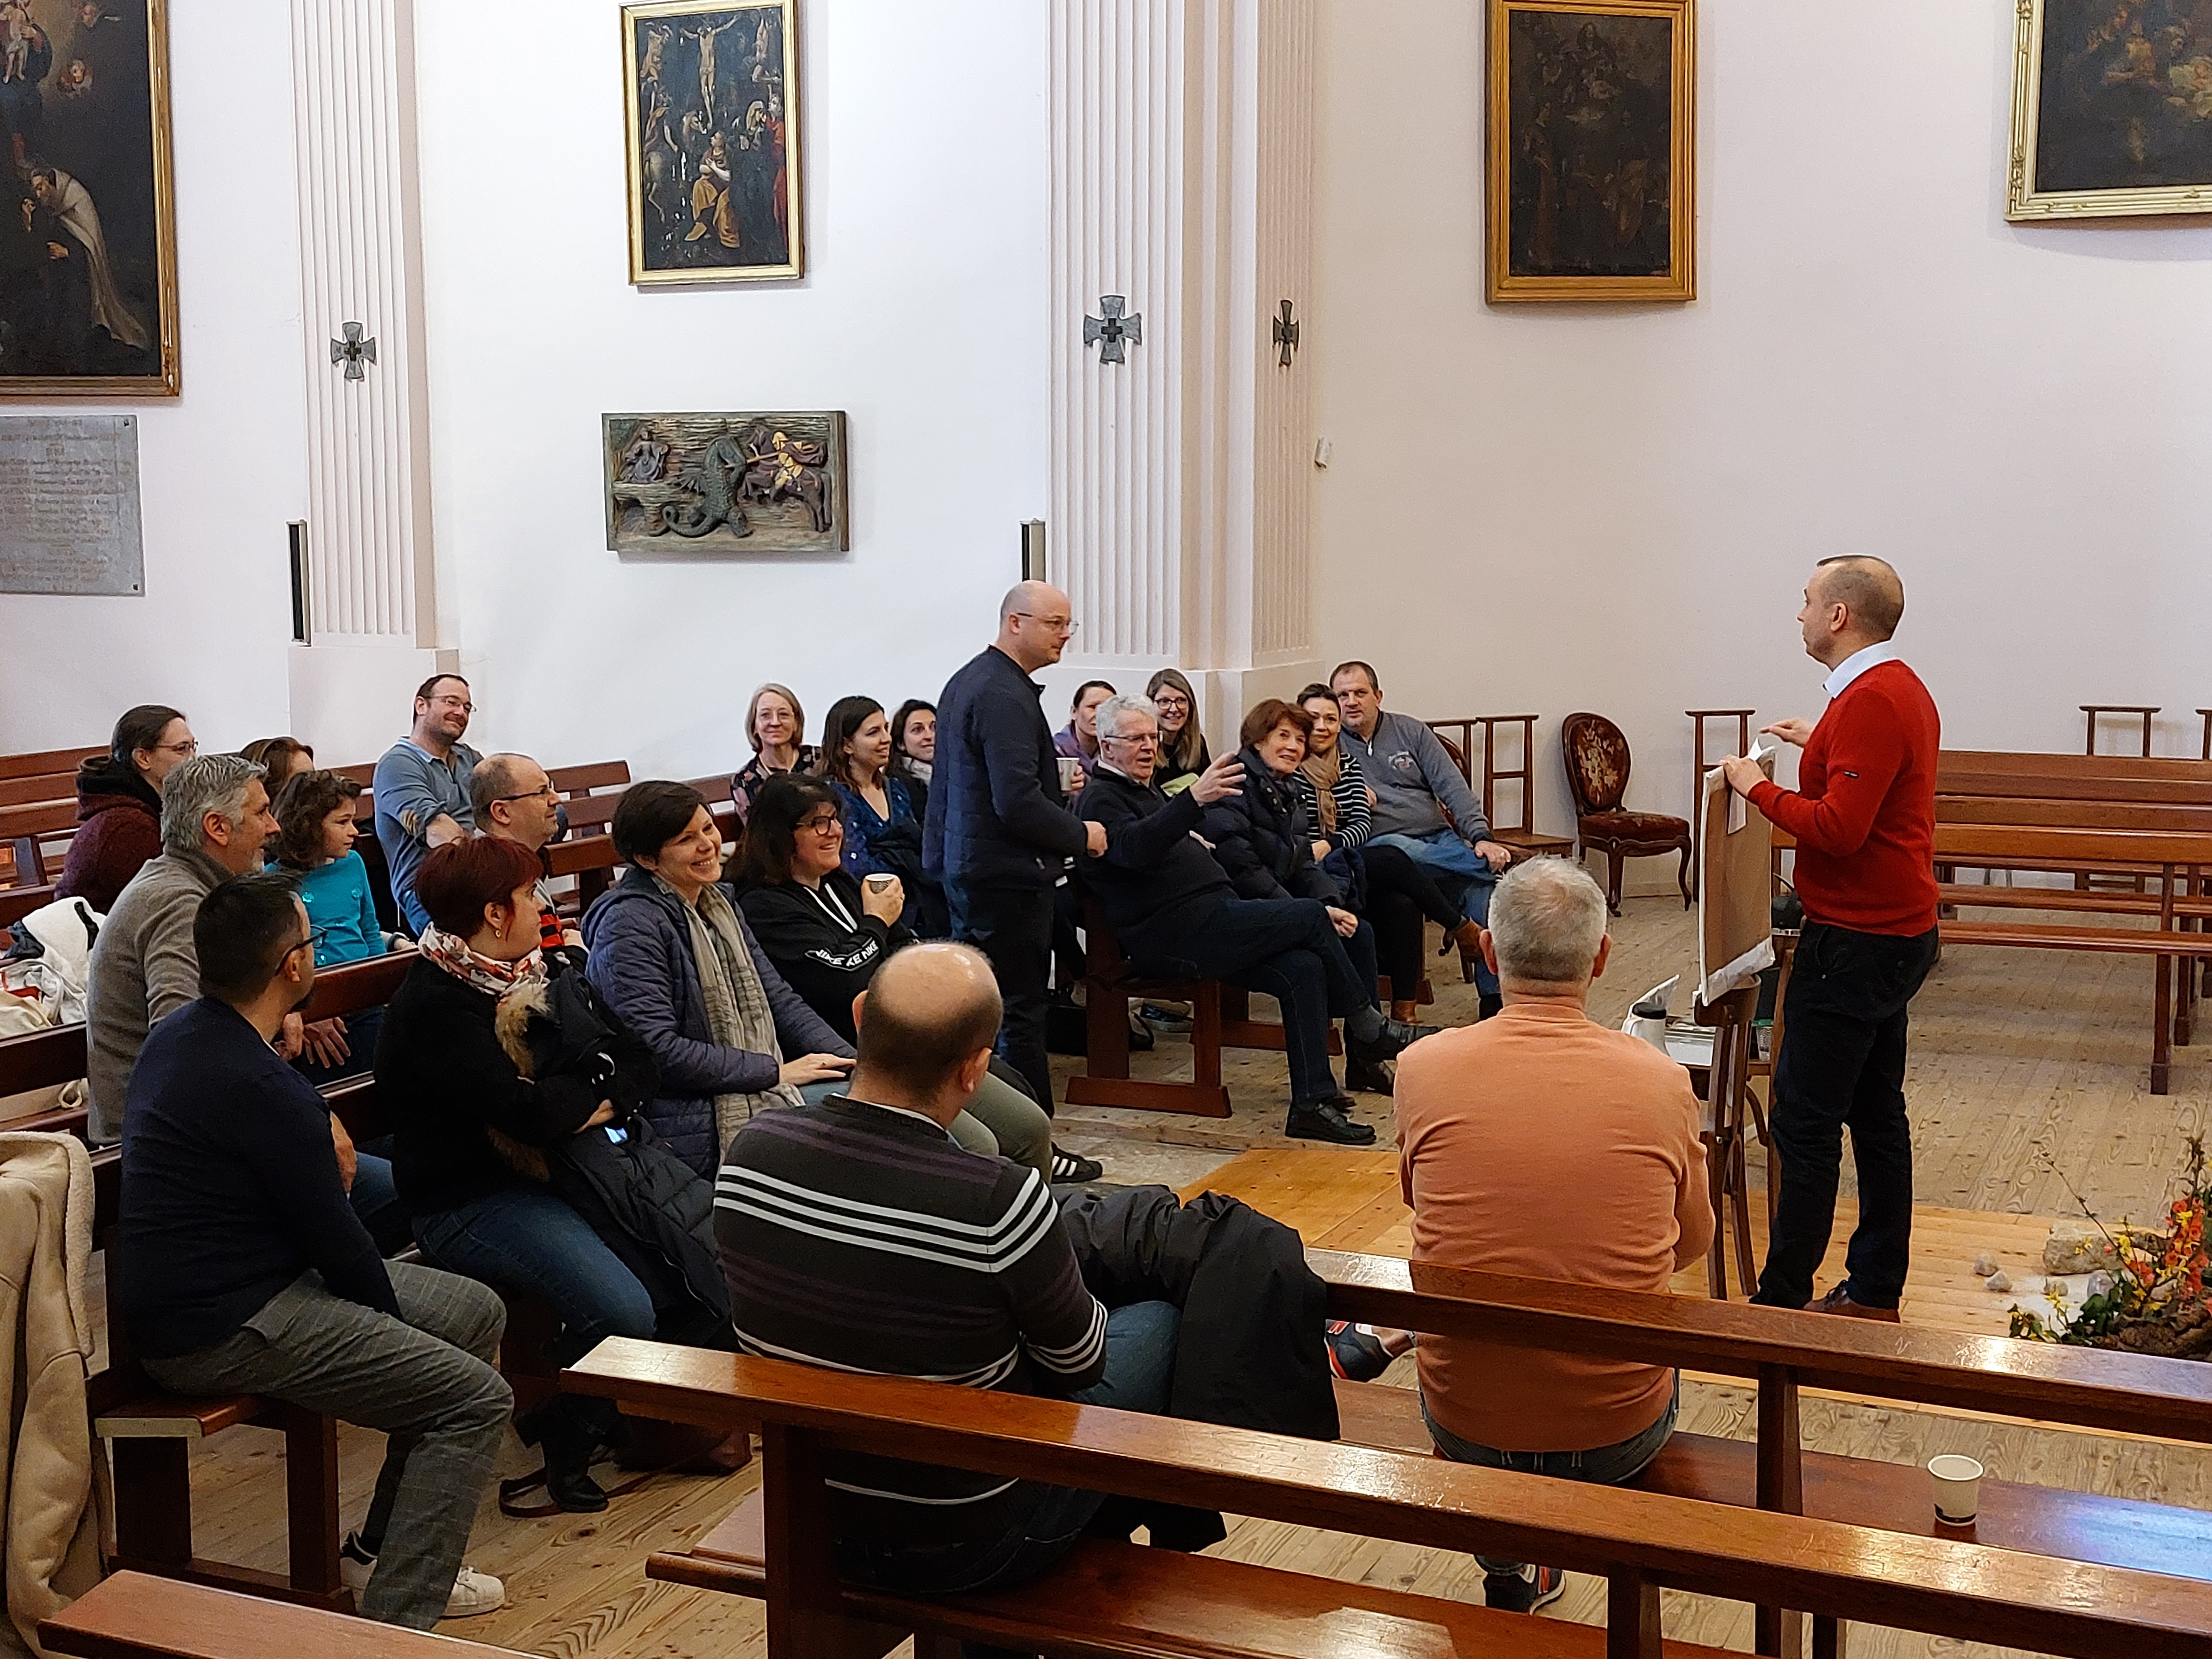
[1180, 481]
[372, 603]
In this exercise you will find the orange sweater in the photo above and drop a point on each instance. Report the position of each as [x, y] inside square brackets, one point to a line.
[1542, 1144]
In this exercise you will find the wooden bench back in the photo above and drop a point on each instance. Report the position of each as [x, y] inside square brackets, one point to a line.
[2027, 762]
[2131, 1393]
[45, 762]
[1639, 1541]
[2070, 849]
[2074, 814]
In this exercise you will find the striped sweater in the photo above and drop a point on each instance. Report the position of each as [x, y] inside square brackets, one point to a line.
[1355, 815]
[862, 1238]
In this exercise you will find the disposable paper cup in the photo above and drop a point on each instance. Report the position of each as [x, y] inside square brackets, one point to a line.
[1070, 770]
[1958, 1487]
[880, 883]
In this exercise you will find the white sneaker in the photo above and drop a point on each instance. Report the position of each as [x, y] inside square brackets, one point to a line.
[473, 1593]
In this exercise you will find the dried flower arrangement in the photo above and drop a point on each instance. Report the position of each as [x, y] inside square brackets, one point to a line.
[2155, 1303]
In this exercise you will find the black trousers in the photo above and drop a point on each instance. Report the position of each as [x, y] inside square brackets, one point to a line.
[1287, 948]
[1013, 927]
[1842, 1064]
[1400, 896]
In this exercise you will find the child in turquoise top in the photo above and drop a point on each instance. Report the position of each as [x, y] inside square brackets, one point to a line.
[315, 833]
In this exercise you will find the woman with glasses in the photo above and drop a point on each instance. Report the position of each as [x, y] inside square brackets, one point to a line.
[883, 815]
[675, 959]
[1183, 746]
[828, 930]
[119, 804]
[775, 726]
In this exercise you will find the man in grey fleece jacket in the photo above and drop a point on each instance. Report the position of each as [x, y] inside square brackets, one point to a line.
[1415, 786]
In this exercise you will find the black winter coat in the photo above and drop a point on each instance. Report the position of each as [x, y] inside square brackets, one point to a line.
[1252, 1354]
[1259, 836]
[995, 817]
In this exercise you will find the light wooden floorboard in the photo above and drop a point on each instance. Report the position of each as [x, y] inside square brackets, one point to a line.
[2023, 1063]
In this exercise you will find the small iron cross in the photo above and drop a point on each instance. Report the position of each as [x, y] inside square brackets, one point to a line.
[1113, 329]
[1286, 336]
[354, 351]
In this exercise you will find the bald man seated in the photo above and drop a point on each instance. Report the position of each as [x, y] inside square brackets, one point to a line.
[857, 1235]
[1863, 814]
[514, 801]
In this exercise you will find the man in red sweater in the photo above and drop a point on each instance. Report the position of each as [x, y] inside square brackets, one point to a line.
[1864, 817]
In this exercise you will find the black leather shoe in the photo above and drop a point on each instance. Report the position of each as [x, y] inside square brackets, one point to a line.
[1367, 1077]
[1328, 1120]
[569, 1446]
[1393, 1040]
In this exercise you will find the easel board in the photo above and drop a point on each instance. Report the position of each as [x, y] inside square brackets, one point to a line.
[1735, 926]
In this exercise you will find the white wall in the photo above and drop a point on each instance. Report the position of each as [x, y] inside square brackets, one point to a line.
[221, 469]
[1547, 509]
[920, 315]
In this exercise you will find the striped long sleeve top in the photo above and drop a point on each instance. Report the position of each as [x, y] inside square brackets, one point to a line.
[1355, 816]
[863, 1238]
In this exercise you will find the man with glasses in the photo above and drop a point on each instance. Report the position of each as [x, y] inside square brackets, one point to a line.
[238, 1265]
[1174, 910]
[423, 788]
[999, 835]
[514, 801]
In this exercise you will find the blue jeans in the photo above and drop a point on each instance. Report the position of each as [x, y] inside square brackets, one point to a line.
[375, 1198]
[531, 1241]
[1463, 873]
[1140, 1355]
[1286, 948]
[1604, 1465]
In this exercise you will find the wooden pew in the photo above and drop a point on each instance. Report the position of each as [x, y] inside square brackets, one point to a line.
[1782, 1353]
[1110, 1598]
[130, 1615]
[37, 838]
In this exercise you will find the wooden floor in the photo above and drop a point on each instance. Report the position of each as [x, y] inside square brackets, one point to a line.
[2025, 1065]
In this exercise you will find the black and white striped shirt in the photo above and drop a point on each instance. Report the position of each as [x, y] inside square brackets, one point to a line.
[863, 1238]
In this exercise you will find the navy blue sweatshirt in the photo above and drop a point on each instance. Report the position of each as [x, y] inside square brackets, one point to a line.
[995, 818]
[230, 1187]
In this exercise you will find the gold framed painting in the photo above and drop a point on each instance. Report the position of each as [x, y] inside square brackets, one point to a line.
[88, 202]
[1592, 152]
[711, 91]
[2111, 110]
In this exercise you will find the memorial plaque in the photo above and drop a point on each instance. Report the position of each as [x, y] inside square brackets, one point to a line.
[69, 505]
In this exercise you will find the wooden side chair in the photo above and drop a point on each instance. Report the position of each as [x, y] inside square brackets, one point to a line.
[1597, 776]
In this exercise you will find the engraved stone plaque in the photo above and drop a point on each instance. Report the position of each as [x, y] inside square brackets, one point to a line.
[69, 505]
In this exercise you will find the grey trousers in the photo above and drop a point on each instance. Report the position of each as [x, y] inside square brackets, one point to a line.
[427, 1380]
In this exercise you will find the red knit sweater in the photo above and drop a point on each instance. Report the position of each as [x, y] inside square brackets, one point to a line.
[1864, 811]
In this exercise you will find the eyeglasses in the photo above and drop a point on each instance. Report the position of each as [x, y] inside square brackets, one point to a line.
[313, 942]
[822, 823]
[1137, 742]
[461, 703]
[1057, 624]
[186, 750]
[543, 792]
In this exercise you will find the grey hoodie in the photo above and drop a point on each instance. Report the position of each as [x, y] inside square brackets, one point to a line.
[1415, 780]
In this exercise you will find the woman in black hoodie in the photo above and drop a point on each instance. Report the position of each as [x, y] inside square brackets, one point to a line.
[118, 803]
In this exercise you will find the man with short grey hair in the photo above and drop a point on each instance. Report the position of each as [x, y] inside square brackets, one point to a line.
[514, 801]
[1542, 1144]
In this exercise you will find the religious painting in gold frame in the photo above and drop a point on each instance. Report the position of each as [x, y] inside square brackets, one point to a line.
[2111, 110]
[1592, 163]
[711, 91]
[87, 201]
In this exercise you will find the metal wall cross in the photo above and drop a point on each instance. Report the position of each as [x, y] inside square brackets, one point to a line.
[356, 349]
[1110, 331]
[1286, 336]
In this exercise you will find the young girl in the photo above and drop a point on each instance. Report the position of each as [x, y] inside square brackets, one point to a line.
[315, 835]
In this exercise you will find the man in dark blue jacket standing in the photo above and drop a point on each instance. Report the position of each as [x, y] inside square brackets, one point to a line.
[999, 832]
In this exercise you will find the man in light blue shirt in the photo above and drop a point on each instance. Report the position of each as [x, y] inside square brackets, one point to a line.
[423, 788]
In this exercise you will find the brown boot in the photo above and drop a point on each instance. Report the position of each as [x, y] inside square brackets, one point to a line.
[1406, 1013]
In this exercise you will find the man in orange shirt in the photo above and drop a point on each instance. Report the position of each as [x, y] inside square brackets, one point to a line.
[1540, 1144]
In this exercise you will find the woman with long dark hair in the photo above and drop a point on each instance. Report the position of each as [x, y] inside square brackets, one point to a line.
[914, 741]
[883, 819]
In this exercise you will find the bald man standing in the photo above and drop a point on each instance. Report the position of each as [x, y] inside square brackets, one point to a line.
[1863, 815]
[997, 834]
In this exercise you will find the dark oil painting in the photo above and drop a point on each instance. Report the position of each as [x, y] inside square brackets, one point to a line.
[2125, 99]
[1592, 142]
[714, 180]
[86, 255]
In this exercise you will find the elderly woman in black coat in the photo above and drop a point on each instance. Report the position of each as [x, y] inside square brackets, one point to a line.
[1262, 841]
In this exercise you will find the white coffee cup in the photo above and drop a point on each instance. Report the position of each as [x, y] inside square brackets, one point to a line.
[880, 883]
[1071, 770]
[1958, 1487]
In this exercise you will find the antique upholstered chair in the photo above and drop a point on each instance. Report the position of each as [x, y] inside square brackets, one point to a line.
[1597, 775]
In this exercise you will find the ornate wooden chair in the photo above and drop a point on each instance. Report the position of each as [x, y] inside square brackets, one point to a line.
[1597, 776]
